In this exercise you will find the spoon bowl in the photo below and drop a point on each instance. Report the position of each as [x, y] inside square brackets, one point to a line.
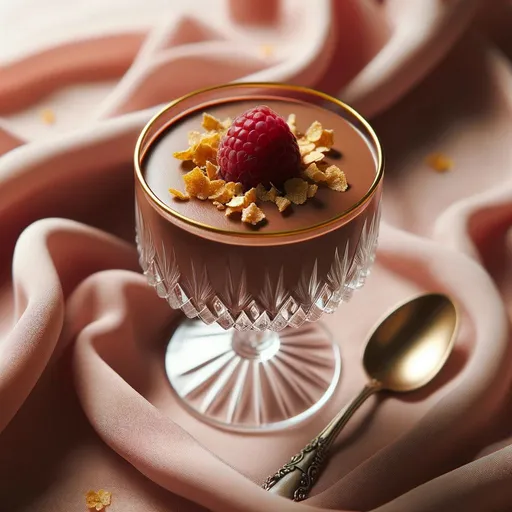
[411, 344]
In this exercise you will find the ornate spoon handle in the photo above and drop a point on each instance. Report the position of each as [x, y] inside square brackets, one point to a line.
[297, 477]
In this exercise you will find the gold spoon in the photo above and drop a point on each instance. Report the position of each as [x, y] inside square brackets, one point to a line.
[405, 352]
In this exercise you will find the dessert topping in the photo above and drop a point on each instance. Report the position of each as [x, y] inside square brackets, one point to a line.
[252, 214]
[259, 147]
[98, 500]
[265, 155]
[439, 162]
[296, 190]
[282, 203]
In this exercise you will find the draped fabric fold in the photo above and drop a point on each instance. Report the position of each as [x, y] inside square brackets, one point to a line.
[84, 400]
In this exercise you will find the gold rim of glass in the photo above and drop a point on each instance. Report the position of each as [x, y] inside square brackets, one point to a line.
[276, 85]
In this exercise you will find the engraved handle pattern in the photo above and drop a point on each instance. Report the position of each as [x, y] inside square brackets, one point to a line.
[311, 458]
[297, 477]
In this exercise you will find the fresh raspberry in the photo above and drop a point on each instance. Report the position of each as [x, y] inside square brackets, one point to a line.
[259, 147]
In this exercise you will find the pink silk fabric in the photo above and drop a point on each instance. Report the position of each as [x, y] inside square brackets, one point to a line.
[84, 401]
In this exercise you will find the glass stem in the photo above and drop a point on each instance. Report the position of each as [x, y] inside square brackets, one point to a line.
[255, 345]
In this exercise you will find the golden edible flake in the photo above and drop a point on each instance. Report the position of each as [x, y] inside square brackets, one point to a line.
[250, 196]
[296, 190]
[312, 190]
[314, 156]
[225, 193]
[48, 116]
[194, 138]
[336, 179]
[215, 186]
[211, 170]
[239, 189]
[326, 140]
[282, 203]
[187, 154]
[292, 123]
[203, 148]
[304, 149]
[211, 139]
[231, 211]
[266, 195]
[179, 195]
[197, 184]
[203, 153]
[98, 500]
[211, 123]
[320, 137]
[439, 162]
[314, 132]
[237, 203]
[252, 214]
[313, 173]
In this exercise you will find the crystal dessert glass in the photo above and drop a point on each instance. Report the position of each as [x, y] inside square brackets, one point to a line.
[249, 354]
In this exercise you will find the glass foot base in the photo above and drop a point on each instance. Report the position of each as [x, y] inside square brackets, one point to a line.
[249, 381]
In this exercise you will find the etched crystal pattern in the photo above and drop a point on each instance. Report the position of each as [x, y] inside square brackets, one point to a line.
[275, 307]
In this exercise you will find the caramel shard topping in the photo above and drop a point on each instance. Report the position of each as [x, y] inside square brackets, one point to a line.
[439, 162]
[211, 170]
[261, 192]
[197, 184]
[231, 211]
[199, 154]
[312, 190]
[48, 116]
[316, 133]
[266, 195]
[252, 214]
[215, 187]
[179, 195]
[187, 154]
[203, 153]
[211, 139]
[250, 196]
[304, 142]
[296, 190]
[239, 189]
[194, 138]
[314, 156]
[202, 150]
[282, 203]
[237, 203]
[313, 173]
[306, 148]
[211, 123]
[224, 194]
[326, 139]
[336, 179]
[98, 500]
[292, 123]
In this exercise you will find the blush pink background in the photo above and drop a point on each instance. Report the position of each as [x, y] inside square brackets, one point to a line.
[84, 403]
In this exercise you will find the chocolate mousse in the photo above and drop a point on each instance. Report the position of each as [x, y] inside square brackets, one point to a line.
[300, 181]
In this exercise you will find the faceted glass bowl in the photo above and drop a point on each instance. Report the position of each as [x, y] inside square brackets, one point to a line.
[249, 356]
